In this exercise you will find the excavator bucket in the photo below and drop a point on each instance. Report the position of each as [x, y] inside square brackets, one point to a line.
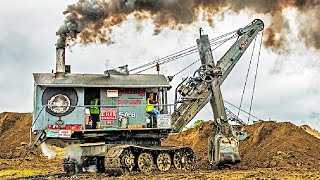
[223, 150]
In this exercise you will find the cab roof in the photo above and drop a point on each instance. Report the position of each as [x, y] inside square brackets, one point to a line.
[101, 80]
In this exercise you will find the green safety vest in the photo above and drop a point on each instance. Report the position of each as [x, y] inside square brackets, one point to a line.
[93, 108]
[149, 107]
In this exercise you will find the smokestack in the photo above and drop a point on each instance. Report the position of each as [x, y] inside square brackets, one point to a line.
[60, 57]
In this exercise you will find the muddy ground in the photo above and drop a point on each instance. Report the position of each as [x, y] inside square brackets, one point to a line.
[273, 151]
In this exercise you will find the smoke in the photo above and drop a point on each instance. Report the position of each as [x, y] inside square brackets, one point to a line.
[73, 152]
[90, 21]
[310, 24]
[92, 168]
[48, 150]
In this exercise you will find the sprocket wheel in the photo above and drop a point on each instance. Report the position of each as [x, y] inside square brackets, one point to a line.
[164, 162]
[145, 162]
[127, 160]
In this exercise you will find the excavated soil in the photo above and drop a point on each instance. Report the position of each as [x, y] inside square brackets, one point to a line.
[311, 131]
[273, 150]
[197, 139]
[274, 144]
[269, 145]
[14, 134]
[15, 137]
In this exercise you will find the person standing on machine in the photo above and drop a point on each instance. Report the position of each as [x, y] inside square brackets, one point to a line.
[150, 107]
[94, 111]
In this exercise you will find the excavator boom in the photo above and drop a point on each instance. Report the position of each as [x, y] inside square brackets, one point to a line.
[198, 92]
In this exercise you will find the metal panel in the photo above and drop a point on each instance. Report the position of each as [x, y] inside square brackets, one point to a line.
[104, 100]
[77, 116]
[129, 103]
[100, 80]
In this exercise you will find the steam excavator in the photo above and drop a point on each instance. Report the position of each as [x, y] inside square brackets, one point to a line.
[127, 138]
[197, 91]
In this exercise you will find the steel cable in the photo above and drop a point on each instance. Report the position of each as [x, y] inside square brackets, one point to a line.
[219, 43]
[245, 83]
[255, 77]
[179, 53]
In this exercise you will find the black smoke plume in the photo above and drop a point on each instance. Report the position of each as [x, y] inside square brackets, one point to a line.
[90, 21]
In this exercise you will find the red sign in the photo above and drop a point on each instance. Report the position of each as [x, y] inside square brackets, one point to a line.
[64, 133]
[131, 91]
[108, 122]
[108, 114]
[53, 127]
[244, 43]
[121, 102]
[134, 102]
[73, 127]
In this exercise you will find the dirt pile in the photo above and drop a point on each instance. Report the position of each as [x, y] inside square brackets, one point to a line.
[270, 144]
[311, 131]
[274, 144]
[14, 135]
[197, 139]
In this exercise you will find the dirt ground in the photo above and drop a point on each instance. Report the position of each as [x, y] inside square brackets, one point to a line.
[273, 151]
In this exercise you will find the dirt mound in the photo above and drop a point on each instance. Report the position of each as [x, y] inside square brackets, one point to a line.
[197, 139]
[270, 144]
[274, 144]
[311, 131]
[14, 134]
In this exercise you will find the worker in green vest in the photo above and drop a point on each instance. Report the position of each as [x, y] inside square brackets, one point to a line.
[150, 108]
[94, 111]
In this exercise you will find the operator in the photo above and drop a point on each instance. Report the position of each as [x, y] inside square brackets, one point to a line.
[94, 111]
[150, 107]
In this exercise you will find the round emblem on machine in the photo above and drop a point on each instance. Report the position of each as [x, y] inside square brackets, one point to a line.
[59, 103]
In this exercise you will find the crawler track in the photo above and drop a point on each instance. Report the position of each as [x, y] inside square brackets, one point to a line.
[129, 158]
[121, 159]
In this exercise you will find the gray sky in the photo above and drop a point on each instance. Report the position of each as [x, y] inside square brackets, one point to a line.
[287, 85]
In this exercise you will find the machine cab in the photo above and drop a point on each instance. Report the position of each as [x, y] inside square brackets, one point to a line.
[121, 99]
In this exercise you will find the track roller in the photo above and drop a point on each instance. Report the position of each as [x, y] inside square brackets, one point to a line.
[164, 161]
[183, 159]
[145, 162]
[128, 158]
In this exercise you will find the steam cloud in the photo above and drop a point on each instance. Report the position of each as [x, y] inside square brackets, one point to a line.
[48, 150]
[90, 21]
[73, 152]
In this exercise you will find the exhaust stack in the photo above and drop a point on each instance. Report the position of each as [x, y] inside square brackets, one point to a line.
[60, 58]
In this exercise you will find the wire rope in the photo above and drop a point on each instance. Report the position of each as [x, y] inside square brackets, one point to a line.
[255, 78]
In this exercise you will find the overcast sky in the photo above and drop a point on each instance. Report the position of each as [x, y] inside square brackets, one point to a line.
[287, 85]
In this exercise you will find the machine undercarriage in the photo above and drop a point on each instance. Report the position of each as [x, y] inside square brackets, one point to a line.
[119, 159]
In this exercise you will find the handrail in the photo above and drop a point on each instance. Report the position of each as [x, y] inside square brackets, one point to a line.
[38, 115]
[117, 105]
[100, 106]
[35, 120]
